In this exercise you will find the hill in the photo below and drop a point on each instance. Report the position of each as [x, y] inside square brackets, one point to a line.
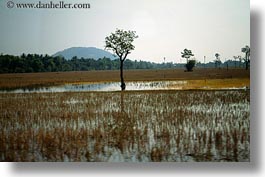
[85, 52]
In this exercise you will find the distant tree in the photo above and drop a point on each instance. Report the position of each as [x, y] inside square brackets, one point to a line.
[66, 67]
[187, 54]
[217, 60]
[36, 65]
[190, 65]
[246, 50]
[23, 56]
[240, 60]
[58, 60]
[120, 43]
[235, 58]
[75, 63]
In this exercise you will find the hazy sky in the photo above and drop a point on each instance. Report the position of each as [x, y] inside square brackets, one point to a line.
[165, 27]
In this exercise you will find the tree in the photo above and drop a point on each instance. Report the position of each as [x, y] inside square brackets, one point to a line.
[217, 60]
[246, 50]
[239, 59]
[235, 57]
[187, 54]
[190, 65]
[120, 43]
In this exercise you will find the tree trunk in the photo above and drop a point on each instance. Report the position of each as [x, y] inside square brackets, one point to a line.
[121, 75]
[246, 61]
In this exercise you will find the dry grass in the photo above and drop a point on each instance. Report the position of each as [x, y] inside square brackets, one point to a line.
[48, 79]
[134, 126]
[218, 84]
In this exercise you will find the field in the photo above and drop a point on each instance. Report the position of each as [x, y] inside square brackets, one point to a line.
[133, 126]
[9, 81]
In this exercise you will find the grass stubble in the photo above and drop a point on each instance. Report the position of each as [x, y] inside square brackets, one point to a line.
[137, 126]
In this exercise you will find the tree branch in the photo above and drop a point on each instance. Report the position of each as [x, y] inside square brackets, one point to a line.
[117, 53]
[125, 55]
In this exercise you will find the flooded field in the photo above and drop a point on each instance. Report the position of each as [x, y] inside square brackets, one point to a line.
[134, 126]
[103, 86]
[132, 86]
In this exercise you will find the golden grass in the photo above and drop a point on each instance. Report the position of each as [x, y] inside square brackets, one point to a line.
[8, 81]
[217, 84]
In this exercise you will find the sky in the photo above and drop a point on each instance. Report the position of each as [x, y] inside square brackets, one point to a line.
[165, 27]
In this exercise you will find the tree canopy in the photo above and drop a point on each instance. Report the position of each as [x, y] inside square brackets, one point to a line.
[187, 54]
[120, 42]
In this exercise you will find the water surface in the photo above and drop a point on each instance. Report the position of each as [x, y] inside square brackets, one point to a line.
[104, 86]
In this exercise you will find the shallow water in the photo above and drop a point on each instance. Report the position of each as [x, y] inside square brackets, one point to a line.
[115, 86]
[104, 86]
[180, 126]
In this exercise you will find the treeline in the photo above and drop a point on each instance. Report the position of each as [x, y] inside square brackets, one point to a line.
[45, 63]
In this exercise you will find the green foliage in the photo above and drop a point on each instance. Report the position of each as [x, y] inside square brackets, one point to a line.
[120, 42]
[187, 54]
[44, 63]
[190, 65]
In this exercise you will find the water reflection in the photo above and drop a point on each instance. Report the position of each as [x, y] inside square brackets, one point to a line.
[103, 86]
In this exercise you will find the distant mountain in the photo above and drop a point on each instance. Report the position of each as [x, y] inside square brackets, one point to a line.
[85, 52]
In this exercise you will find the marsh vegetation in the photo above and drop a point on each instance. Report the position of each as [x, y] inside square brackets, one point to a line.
[137, 126]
